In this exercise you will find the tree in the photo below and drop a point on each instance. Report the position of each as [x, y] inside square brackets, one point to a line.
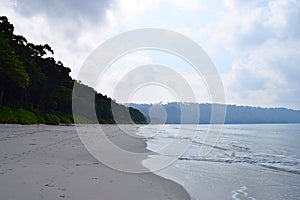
[33, 80]
[12, 72]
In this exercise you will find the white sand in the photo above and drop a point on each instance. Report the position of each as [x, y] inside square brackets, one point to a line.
[50, 162]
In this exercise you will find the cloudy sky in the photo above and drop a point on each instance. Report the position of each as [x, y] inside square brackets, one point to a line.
[255, 44]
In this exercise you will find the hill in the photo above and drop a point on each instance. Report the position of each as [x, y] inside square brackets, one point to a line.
[234, 114]
[35, 88]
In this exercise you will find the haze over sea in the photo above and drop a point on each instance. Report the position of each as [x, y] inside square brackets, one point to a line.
[253, 161]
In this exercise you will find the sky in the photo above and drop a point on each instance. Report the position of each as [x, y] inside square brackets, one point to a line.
[254, 44]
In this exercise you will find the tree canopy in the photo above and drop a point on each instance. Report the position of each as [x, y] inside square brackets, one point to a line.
[32, 80]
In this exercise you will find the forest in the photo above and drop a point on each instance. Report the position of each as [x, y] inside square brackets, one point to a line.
[234, 114]
[35, 88]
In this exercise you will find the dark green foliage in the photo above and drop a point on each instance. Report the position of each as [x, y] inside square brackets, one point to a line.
[36, 83]
[82, 120]
[25, 117]
[16, 115]
[39, 115]
[64, 118]
[137, 116]
[7, 115]
[12, 70]
[51, 119]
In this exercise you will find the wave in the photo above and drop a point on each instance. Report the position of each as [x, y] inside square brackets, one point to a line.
[285, 166]
[230, 150]
[241, 192]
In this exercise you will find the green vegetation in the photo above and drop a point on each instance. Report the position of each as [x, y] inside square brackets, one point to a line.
[35, 88]
[16, 115]
[51, 119]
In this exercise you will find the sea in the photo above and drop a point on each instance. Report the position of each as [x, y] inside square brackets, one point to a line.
[244, 161]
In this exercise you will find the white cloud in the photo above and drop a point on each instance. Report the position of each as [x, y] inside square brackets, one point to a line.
[264, 41]
[120, 69]
[191, 5]
[71, 28]
[256, 43]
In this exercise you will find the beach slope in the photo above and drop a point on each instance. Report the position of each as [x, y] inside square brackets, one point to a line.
[50, 162]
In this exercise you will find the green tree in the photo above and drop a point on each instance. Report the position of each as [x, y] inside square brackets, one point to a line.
[32, 80]
[12, 72]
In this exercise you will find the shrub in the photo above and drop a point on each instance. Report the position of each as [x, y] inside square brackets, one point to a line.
[51, 119]
[25, 117]
[16, 116]
[65, 120]
[63, 117]
[82, 120]
[40, 119]
[39, 115]
[7, 115]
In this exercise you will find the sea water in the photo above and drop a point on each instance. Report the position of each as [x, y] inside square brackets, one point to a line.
[255, 161]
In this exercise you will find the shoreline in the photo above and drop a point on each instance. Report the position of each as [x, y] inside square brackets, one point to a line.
[50, 162]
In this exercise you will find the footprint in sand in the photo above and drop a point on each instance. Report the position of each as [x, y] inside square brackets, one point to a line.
[49, 185]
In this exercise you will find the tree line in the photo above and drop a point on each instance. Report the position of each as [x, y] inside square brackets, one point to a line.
[35, 88]
[234, 114]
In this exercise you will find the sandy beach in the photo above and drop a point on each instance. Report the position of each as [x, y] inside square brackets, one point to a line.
[50, 162]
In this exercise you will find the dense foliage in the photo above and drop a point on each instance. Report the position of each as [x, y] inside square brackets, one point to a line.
[35, 88]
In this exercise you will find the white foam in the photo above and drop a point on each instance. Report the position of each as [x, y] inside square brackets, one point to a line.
[242, 193]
